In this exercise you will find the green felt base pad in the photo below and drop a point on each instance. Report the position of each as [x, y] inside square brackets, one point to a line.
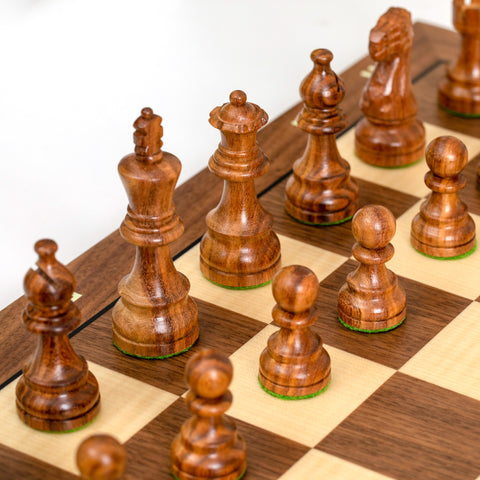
[287, 397]
[370, 331]
[161, 357]
[239, 288]
[456, 257]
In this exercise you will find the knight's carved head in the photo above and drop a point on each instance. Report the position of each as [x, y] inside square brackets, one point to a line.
[392, 35]
[148, 134]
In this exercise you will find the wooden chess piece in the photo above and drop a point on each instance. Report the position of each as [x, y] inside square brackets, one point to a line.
[372, 300]
[320, 190]
[443, 227]
[208, 446]
[390, 134]
[295, 364]
[459, 89]
[101, 457]
[155, 317]
[239, 249]
[57, 392]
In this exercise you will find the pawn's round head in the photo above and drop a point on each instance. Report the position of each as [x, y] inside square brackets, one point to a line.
[101, 457]
[295, 288]
[209, 374]
[446, 156]
[373, 226]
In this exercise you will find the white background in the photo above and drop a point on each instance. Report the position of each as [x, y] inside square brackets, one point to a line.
[76, 73]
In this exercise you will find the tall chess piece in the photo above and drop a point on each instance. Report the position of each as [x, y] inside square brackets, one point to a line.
[208, 446]
[320, 190]
[459, 89]
[443, 227]
[155, 317]
[239, 249]
[372, 300]
[57, 392]
[390, 134]
[295, 364]
[101, 457]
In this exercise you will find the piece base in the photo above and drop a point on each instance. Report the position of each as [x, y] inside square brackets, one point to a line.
[187, 476]
[324, 219]
[443, 253]
[366, 330]
[458, 98]
[293, 397]
[237, 280]
[153, 351]
[59, 426]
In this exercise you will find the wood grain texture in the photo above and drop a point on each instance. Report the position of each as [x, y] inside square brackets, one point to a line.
[443, 227]
[320, 189]
[208, 445]
[155, 316]
[459, 89]
[239, 249]
[372, 299]
[57, 392]
[390, 135]
[295, 363]
[101, 457]
[99, 270]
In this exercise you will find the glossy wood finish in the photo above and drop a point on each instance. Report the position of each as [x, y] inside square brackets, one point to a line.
[101, 457]
[443, 227]
[295, 364]
[320, 189]
[371, 299]
[390, 135]
[239, 249]
[459, 89]
[447, 441]
[208, 446]
[155, 317]
[56, 392]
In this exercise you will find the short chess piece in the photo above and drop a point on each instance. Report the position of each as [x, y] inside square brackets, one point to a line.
[101, 457]
[320, 190]
[154, 317]
[390, 134]
[459, 89]
[208, 445]
[239, 249]
[57, 392]
[372, 300]
[295, 364]
[443, 228]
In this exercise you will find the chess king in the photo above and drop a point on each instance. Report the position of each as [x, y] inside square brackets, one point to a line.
[155, 317]
[390, 135]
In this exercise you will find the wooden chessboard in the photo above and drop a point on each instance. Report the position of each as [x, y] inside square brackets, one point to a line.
[403, 404]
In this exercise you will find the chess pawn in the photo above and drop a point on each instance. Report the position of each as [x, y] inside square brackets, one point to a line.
[57, 392]
[372, 300]
[459, 89]
[443, 227]
[154, 317]
[295, 364]
[390, 134]
[320, 190]
[101, 457]
[208, 446]
[239, 248]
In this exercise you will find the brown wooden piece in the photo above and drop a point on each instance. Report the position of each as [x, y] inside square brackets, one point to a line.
[320, 190]
[371, 299]
[101, 457]
[443, 227]
[208, 446]
[57, 392]
[155, 316]
[459, 89]
[239, 249]
[390, 135]
[295, 364]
